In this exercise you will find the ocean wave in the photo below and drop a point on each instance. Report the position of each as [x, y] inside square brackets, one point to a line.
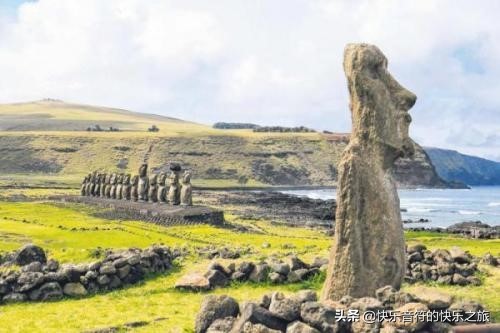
[494, 204]
[420, 210]
[469, 212]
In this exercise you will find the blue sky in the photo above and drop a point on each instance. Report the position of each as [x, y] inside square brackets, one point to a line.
[268, 62]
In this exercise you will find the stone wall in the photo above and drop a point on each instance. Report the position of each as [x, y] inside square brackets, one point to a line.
[39, 279]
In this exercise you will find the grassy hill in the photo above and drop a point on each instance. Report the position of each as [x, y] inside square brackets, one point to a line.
[46, 143]
[454, 166]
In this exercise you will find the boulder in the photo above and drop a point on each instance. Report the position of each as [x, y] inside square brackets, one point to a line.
[223, 325]
[52, 265]
[293, 277]
[108, 269]
[459, 255]
[367, 304]
[30, 253]
[251, 312]
[35, 266]
[416, 248]
[276, 278]
[14, 298]
[47, 292]
[248, 327]
[296, 263]
[459, 280]
[287, 308]
[123, 271]
[246, 267]
[306, 296]
[280, 268]
[74, 289]
[216, 278]
[300, 327]
[435, 300]
[489, 259]
[318, 262]
[238, 276]
[29, 280]
[193, 281]
[259, 274]
[215, 307]
[319, 316]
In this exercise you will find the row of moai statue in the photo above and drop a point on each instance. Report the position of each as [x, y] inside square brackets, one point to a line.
[153, 188]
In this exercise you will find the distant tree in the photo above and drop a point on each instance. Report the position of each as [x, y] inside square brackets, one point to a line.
[222, 125]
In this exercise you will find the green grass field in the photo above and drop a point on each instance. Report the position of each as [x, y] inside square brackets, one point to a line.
[57, 228]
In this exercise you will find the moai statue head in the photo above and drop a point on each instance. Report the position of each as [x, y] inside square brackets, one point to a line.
[143, 170]
[162, 177]
[186, 178]
[113, 179]
[153, 179]
[379, 101]
[103, 178]
[119, 178]
[107, 179]
[126, 179]
[173, 178]
[134, 180]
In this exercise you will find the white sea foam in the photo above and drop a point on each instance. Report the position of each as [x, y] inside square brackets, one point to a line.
[494, 204]
[469, 212]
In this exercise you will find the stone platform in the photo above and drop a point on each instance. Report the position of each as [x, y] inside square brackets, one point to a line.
[162, 214]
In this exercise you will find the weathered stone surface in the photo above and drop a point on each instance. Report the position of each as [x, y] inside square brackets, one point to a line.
[257, 328]
[435, 300]
[300, 327]
[216, 278]
[222, 325]
[318, 316]
[193, 281]
[253, 313]
[30, 253]
[186, 190]
[369, 250]
[215, 307]
[287, 308]
[47, 292]
[74, 289]
[259, 273]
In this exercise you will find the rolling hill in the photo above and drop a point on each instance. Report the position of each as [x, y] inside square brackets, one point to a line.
[46, 143]
[454, 166]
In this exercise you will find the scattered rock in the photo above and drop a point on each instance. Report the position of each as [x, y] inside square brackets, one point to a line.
[30, 253]
[193, 281]
[74, 289]
[215, 307]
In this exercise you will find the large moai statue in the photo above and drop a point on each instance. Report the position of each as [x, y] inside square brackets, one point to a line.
[107, 186]
[119, 185]
[113, 181]
[134, 188]
[186, 190]
[369, 250]
[174, 191]
[88, 187]
[126, 187]
[153, 188]
[83, 187]
[162, 187]
[97, 189]
[143, 185]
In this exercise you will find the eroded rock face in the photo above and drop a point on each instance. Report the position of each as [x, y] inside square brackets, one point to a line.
[369, 250]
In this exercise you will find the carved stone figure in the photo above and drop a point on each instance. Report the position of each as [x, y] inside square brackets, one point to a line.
[113, 182]
[97, 186]
[143, 186]
[174, 192]
[102, 186]
[369, 250]
[162, 187]
[107, 190]
[153, 188]
[119, 184]
[83, 188]
[126, 187]
[88, 186]
[134, 188]
[186, 190]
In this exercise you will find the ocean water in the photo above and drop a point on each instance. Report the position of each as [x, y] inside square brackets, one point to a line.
[443, 207]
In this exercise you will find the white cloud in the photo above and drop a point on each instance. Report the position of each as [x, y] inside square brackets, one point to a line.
[262, 61]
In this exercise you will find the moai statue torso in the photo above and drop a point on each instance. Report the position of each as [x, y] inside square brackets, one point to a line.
[134, 194]
[143, 185]
[369, 249]
[186, 190]
[107, 187]
[88, 186]
[153, 188]
[83, 188]
[119, 186]
[97, 189]
[174, 190]
[126, 187]
[113, 182]
[162, 187]
[102, 185]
